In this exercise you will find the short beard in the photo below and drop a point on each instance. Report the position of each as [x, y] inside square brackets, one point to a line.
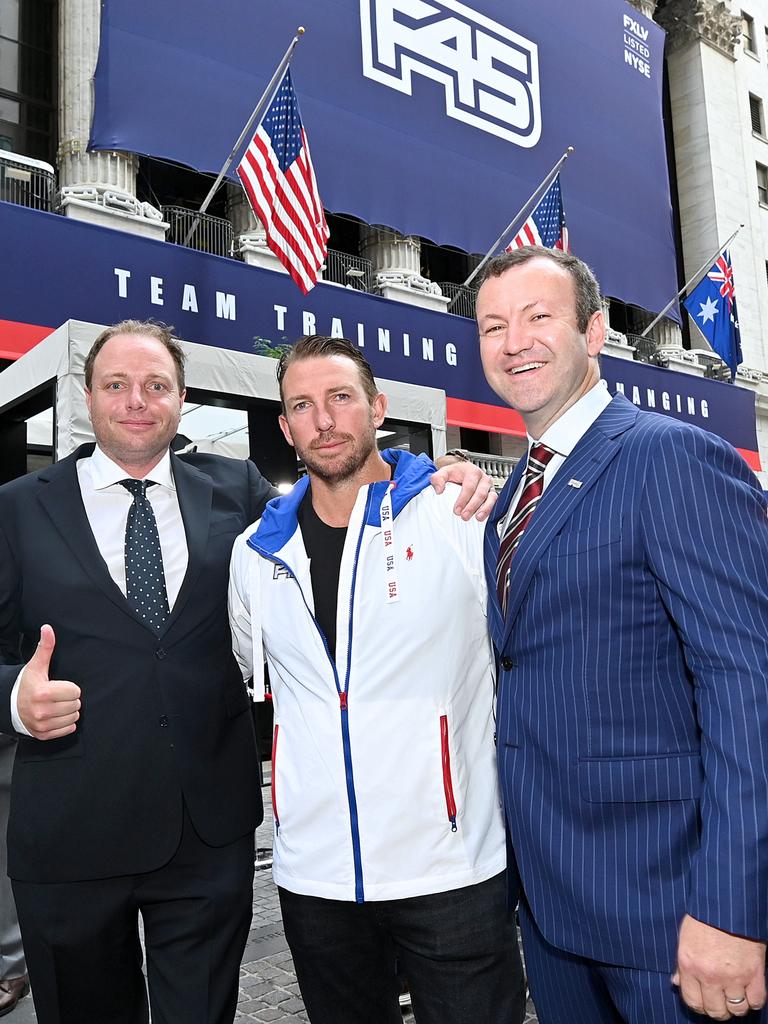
[346, 468]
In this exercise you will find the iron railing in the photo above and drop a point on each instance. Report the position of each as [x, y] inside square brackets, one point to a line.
[352, 271]
[26, 182]
[462, 299]
[646, 348]
[211, 234]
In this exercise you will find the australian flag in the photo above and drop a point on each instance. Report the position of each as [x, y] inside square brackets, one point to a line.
[546, 225]
[712, 306]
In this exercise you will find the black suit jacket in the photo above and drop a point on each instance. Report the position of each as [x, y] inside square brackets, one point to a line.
[165, 719]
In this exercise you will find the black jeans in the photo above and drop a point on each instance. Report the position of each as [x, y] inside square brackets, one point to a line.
[458, 950]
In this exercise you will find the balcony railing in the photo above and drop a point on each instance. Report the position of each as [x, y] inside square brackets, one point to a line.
[462, 299]
[351, 271]
[645, 347]
[26, 182]
[211, 234]
[500, 467]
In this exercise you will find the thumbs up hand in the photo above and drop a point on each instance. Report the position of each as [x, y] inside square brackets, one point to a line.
[49, 708]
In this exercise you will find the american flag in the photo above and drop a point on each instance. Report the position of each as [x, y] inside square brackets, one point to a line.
[279, 180]
[546, 225]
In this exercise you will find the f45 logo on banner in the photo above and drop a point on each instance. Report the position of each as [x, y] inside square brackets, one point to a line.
[490, 74]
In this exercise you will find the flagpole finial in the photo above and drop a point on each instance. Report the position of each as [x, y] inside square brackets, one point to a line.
[300, 30]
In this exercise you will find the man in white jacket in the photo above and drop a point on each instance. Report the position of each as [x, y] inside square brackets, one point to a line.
[368, 596]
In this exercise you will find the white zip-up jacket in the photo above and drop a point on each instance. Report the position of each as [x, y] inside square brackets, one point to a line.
[384, 780]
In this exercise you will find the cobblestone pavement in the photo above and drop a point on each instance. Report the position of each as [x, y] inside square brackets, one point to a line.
[269, 991]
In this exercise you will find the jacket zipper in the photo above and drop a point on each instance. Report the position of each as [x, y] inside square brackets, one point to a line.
[274, 780]
[343, 706]
[343, 698]
[450, 801]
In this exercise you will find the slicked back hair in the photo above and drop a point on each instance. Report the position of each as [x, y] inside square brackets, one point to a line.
[144, 329]
[586, 290]
[320, 346]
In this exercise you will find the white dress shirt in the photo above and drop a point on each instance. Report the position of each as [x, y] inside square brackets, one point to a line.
[562, 437]
[106, 504]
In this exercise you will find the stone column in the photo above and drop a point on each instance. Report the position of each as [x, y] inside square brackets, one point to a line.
[705, 95]
[99, 187]
[646, 7]
[397, 268]
[250, 236]
[668, 335]
[699, 21]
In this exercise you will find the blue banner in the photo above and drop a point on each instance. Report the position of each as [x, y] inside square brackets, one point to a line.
[433, 117]
[54, 269]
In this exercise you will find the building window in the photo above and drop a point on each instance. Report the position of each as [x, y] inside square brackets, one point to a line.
[748, 33]
[756, 115]
[762, 184]
[28, 44]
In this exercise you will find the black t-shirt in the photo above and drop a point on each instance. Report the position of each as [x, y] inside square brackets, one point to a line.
[324, 546]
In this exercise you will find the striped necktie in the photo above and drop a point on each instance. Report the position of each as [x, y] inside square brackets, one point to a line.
[529, 498]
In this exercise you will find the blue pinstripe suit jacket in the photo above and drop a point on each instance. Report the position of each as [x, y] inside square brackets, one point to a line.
[633, 691]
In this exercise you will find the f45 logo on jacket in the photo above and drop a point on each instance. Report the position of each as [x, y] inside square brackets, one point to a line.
[490, 73]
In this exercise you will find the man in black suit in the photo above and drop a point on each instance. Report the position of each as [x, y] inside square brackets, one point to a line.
[144, 795]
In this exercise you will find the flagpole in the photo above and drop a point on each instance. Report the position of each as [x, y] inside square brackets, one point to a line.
[689, 282]
[523, 209]
[266, 96]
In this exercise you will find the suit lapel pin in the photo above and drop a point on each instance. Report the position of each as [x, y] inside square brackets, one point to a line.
[574, 483]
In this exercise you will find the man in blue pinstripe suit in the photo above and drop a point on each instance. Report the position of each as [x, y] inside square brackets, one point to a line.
[633, 687]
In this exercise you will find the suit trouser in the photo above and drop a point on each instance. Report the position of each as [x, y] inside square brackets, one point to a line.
[84, 953]
[458, 950]
[571, 989]
[12, 964]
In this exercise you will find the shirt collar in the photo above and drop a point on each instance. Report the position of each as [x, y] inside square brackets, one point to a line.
[566, 432]
[105, 472]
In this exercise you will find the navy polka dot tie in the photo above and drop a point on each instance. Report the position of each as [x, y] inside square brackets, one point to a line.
[144, 576]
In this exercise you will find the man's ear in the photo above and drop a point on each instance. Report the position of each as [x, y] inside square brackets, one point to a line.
[595, 333]
[88, 401]
[379, 409]
[286, 430]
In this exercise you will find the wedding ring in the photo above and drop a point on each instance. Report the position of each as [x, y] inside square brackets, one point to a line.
[736, 1002]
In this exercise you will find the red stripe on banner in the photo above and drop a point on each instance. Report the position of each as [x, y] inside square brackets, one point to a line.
[502, 420]
[17, 338]
[497, 418]
[751, 458]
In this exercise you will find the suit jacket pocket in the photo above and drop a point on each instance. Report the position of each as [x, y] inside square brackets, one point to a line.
[572, 542]
[237, 700]
[30, 749]
[641, 779]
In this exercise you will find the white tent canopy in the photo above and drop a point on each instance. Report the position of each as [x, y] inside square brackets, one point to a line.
[58, 360]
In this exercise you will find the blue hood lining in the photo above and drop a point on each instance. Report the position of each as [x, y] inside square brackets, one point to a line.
[281, 516]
